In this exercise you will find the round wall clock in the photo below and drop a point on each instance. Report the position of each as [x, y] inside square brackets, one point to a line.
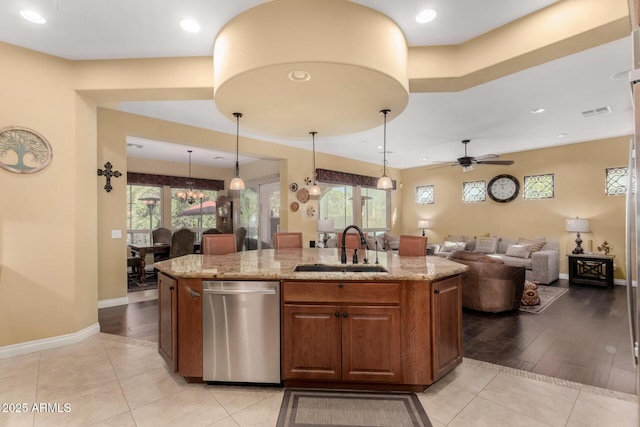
[23, 150]
[503, 188]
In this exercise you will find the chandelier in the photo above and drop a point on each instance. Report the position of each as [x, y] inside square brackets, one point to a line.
[190, 196]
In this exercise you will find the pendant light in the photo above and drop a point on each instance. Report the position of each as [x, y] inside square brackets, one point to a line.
[190, 196]
[237, 183]
[315, 189]
[384, 183]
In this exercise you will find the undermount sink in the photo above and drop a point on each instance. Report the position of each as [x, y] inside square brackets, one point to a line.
[346, 268]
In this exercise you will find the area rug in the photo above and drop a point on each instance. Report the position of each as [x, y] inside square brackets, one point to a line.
[548, 294]
[315, 408]
[135, 286]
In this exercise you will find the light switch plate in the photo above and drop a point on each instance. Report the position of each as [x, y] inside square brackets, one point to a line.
[116, 234]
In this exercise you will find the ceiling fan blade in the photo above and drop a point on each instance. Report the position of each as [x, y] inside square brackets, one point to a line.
[487, 157]
[495, 162]
[437, 165]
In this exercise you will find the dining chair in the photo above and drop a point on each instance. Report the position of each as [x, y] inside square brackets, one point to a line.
[241, 234]
[412, 245]
[161, 236]
[212, 231]
[287, 240]
[218, 244]
[352, 241]
[182, 243]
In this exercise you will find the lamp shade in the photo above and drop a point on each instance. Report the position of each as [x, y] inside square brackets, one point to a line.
[326, 226]
[577, 225]
[423, 223]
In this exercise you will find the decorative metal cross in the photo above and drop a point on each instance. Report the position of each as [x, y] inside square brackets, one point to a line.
[108, 174]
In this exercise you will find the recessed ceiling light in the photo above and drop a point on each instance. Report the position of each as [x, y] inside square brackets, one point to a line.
[561, 135]
[299, 76]
[537, 110]
[32, 16]
[190, 25]
[426, 15]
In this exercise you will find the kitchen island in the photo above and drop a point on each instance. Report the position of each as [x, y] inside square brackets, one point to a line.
[398, 330]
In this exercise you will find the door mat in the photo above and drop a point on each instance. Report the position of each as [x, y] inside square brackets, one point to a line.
[315, 408]
[548, 294]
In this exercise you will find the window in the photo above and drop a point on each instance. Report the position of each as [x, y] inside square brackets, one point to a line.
[339, 203]
[425, 195]
[143, 217]
[616, 181]
[538, 186]
[197, 216]
[474, 191]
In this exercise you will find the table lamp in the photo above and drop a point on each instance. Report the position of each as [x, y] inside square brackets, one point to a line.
[325, 226]
[577, 225]
[423, 223]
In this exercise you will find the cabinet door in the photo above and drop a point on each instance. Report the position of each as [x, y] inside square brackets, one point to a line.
[190, 327]
[446, 312]
[167, 323]
[311, 342]
[371, 345]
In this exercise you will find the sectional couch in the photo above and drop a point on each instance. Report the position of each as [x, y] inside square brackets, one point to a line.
[540, 257]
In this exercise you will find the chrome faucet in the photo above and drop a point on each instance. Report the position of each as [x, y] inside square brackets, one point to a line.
[363, 241]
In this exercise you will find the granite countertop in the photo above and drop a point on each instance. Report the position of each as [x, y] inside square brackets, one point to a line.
[271, 264]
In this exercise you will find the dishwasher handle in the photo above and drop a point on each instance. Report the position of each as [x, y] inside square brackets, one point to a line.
[240, 291]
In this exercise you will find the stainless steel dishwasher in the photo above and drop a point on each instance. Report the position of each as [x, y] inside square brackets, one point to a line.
[241, 332]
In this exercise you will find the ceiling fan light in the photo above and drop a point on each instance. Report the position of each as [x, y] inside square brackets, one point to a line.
[467, 168]
[384, 183]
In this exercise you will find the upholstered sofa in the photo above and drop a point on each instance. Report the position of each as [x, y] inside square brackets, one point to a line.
[540, 257]
[489, 284]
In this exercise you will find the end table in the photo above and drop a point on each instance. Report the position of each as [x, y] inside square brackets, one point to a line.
[591, 269]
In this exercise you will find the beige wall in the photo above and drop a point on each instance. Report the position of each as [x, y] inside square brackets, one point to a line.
[579, 172]
[48, 245]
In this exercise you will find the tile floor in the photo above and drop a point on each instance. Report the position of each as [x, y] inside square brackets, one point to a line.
[108, 380]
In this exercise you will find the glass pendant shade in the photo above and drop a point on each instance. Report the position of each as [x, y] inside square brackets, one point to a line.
[237, 183]
[384, 183]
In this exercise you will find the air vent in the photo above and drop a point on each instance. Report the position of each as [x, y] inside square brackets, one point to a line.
[134, 145]
[596, 111]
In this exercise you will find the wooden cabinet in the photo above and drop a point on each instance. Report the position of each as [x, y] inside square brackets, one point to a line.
[180, 324]
[446, 322]
[167, 323]
[189, 309]
[341, 331]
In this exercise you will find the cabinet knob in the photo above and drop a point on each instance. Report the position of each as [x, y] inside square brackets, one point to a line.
[345, 314]
[170, 288]
[341, 285]
[337, 314]
[436, 291]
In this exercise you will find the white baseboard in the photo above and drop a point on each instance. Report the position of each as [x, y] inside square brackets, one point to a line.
[48, 343]
[105, 303]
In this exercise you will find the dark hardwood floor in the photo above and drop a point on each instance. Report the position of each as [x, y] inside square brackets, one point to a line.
[582, 337]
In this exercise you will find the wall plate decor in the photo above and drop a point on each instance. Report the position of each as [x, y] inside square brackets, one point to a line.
[303, 195]
[295, 206]
[311, 211]
[307, 181]
[23, 150]
[293, 187]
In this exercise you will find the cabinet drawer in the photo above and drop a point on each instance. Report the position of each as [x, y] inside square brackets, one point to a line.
[341, 292]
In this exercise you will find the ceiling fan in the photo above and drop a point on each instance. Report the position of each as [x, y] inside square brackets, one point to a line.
[467, 162]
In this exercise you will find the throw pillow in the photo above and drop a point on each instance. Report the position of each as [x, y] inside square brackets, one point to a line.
[530, 296]
[486, 245]
[391, 242]
[534, 244]
[371, 243]
[518, 251]
[448, 246]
